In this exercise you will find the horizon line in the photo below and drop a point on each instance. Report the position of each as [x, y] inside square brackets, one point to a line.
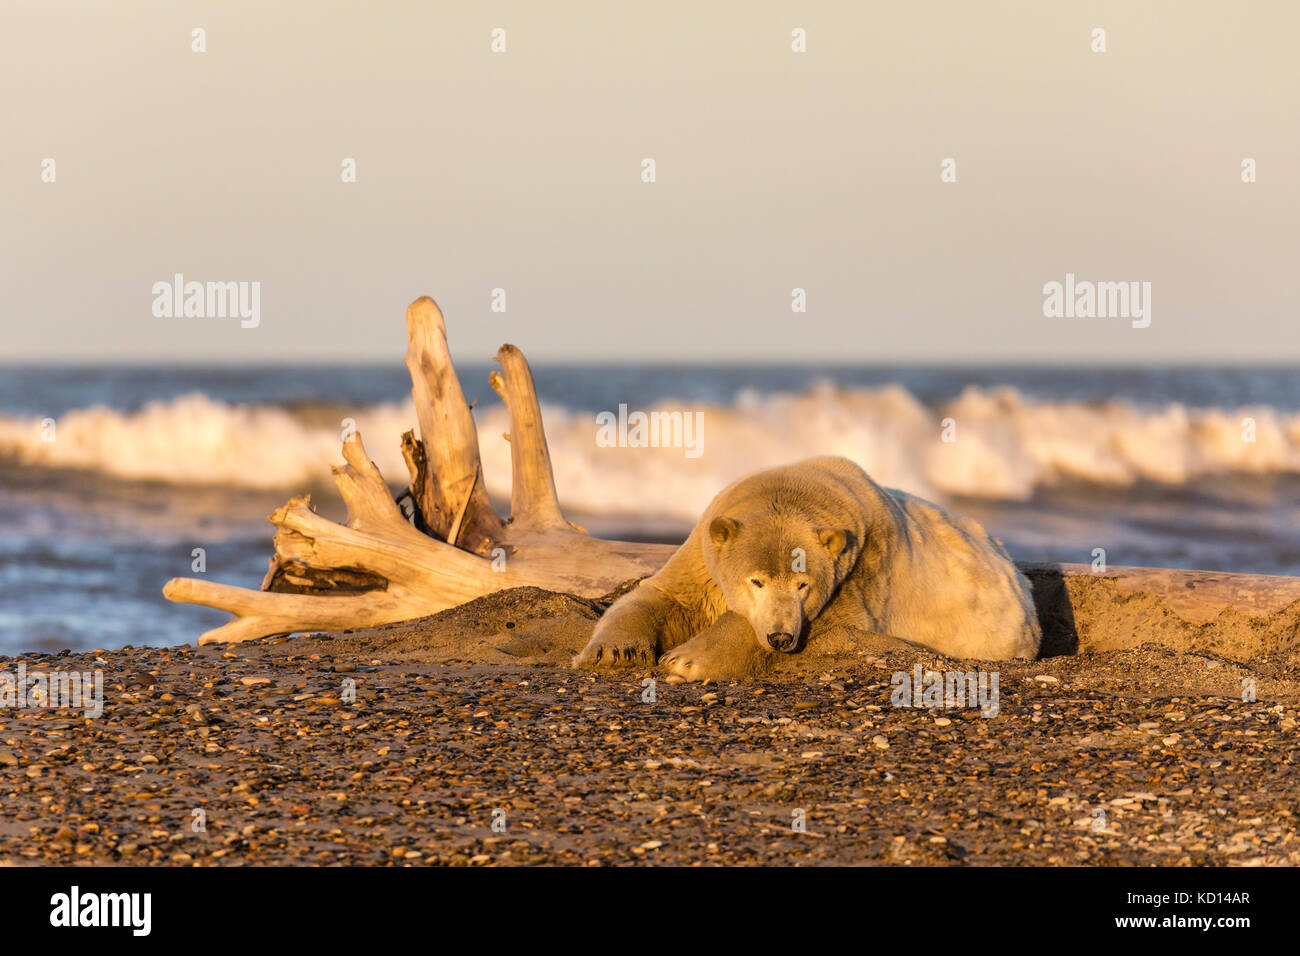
[7, 363]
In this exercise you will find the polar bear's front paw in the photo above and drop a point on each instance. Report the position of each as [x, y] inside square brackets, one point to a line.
[725, 651]
[682, 667]
[617, 650]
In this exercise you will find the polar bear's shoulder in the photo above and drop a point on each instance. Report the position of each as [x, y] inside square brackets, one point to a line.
[825, 471]
[828, 472]
[828, 487]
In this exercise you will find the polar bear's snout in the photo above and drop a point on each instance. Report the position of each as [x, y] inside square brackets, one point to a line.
[776, 613]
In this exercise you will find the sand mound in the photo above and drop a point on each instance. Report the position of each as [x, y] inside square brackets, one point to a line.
[1131, 645]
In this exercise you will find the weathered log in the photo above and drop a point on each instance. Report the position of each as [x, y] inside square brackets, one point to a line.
[380, 568]
[1240, 615]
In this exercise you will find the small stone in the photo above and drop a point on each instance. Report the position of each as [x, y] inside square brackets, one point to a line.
[881, 741]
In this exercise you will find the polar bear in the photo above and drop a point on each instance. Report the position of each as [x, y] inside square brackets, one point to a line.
[786, 554]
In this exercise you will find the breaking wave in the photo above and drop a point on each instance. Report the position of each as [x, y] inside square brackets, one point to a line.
[1006, 445]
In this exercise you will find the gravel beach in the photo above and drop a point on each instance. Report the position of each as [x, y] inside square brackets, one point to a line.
[260, 754]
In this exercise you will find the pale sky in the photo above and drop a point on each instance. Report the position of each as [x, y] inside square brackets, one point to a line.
[775, 170]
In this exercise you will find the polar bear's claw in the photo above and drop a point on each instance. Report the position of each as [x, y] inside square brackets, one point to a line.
[615, 653]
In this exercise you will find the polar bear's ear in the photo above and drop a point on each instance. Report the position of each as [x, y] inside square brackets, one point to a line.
[722, 530]
[833, 540]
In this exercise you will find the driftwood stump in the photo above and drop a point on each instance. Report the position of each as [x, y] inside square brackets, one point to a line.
[379, 567]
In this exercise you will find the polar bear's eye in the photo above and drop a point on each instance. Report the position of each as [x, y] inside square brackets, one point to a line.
[756, 582]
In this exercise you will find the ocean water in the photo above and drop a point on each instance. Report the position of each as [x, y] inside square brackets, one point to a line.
[148, 464]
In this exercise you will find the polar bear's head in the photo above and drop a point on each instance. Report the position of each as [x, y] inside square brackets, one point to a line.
[776, 570]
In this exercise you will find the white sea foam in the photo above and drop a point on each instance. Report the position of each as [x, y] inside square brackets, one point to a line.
[1006, 445]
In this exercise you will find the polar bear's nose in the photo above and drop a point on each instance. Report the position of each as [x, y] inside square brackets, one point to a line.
[781, 642]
